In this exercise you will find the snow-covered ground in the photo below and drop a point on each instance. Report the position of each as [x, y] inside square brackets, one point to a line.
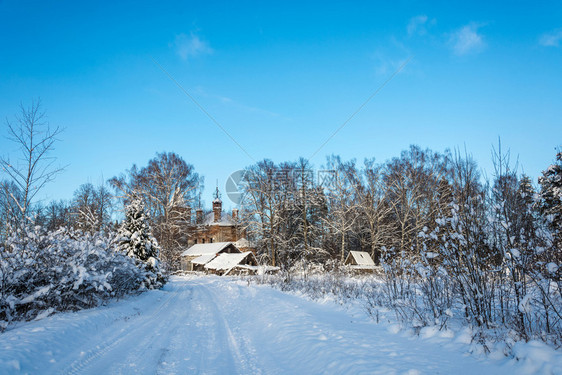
[213, 325]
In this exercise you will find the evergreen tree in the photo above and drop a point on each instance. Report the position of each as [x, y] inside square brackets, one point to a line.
[135, 239]
[551, 198]
[528, 211]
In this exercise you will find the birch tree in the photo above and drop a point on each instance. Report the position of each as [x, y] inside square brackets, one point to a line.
[91, 207]
[375, 208]
[261, 205]
[34, 167]
[342, 202]
[411, 188]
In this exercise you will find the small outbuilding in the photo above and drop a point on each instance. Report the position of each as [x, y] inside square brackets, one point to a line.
[233, 264]
[197, 256]
[360, 261]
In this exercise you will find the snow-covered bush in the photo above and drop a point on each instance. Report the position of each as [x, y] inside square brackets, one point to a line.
[41, 273]
[418, 290]
[339, 285]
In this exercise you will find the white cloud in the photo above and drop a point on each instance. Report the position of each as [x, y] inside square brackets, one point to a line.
[551, 39]
[390, 56]
[386, 65]
[232, 103]
[417, 25]
[467, 40]
[188, 46]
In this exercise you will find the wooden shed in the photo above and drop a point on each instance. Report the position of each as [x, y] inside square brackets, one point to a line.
[233, 264]
[195, 258]
[360, 261]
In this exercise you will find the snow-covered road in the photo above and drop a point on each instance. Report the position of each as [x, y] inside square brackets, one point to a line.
[211, 325]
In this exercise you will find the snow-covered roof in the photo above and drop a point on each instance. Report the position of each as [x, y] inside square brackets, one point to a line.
[227, 261]
[361, 258]
[204, 259]
[242, 243]
[206, 248]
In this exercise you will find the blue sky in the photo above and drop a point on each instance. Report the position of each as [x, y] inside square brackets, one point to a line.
[281, 79]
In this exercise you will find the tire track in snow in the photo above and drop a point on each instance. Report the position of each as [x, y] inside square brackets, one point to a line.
[219, 317]
[152, 344]
[191, 337]
[191, 350]
[210, 343]
[79, 366]
[243, 360]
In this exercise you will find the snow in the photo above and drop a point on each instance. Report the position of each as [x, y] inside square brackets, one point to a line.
[552, 267]
[260, 270]
[225, 220]
[213, 325]
[227, 261]
[241, 243]
[364, 268]
[206, 248]
[431, 255]
[204, 259]
[361, 258]
[33, 296]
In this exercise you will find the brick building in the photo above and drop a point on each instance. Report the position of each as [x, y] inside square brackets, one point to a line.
[216, 226]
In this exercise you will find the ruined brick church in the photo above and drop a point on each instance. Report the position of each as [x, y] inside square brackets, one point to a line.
[216, 226]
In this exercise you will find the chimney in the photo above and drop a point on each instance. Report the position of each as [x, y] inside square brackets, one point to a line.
[234, 214]
[199, 216]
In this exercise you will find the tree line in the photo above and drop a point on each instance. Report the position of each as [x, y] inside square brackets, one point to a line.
[295, 213]
[165, 187]
[443, 235]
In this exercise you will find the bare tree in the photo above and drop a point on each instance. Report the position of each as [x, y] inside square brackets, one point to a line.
[463, 241]
[282, 207]
[34, 167]
[374, 206]
[263, 202]
[57, 215]
[91, 207]
[342, 200]
[306, 200]
[411, 186]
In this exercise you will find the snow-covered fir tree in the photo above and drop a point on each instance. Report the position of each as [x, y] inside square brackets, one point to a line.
[551, 197]
[135, 239]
